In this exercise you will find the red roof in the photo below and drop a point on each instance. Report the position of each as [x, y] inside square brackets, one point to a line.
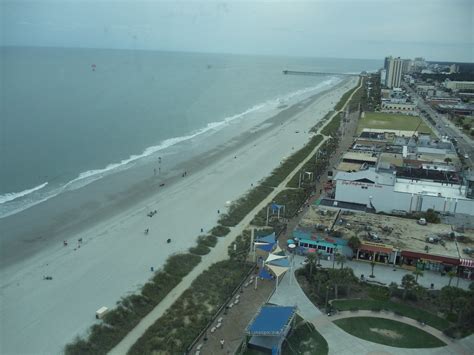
[443, 259]
[375, 249]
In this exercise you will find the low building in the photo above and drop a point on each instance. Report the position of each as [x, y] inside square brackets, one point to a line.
[403, 108]
[385, 192]
[459, 85]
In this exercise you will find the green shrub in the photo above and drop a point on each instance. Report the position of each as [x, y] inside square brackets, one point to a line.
[220, 231]
[207, 240]
[199, 250]
[244, 205]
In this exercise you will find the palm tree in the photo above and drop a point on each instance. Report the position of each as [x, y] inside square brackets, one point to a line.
[447, 160]
[417, 273]
[347, 278]
[311, 259]
[340, 259]
[319, 255]
[354, 243]
[408, 282]
[372, 265]
[451, 274]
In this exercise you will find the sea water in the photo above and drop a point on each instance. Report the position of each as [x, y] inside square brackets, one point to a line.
[72, 116]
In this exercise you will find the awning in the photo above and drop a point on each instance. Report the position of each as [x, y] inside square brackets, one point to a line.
[277, 270]
[467, 263]
[438, 258]
[272, 257]
[375, 249]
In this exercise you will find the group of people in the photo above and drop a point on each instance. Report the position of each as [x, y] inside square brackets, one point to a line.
[151, 213]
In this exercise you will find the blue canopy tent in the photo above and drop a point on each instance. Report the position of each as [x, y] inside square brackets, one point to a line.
[269, 328]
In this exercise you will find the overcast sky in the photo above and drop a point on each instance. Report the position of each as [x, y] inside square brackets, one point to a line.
[434, 29]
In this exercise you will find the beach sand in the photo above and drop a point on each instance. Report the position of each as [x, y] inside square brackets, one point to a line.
[114, 259]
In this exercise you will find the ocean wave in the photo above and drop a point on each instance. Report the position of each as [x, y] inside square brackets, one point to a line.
[14, 195]
[87, 177]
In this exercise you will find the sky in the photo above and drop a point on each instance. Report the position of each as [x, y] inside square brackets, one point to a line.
[440, 30]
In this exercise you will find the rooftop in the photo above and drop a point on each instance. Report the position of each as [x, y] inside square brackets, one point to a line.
[430, 188]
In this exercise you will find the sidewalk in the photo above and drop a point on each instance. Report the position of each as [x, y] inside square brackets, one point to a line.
[342, 343]
[386, 274]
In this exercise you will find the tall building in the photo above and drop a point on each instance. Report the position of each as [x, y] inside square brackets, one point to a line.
[394, 72]
[387, 62]
[406, 66]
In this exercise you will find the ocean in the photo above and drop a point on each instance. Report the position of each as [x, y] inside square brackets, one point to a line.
[72, 116]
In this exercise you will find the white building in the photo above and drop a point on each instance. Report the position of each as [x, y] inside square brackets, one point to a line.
[385, 192]
[459, 85]
[394, 72]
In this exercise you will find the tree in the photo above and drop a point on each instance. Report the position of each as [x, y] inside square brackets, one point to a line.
[447, 160]
[311, 261]
[459, 305]
[335, 278]
[354, 242]
[393, 287]
[340, 259]
[347, 278]
[417, 273]
[448, 295]
[451, 274]
[372, 265]
[408, 282]
[319, 255]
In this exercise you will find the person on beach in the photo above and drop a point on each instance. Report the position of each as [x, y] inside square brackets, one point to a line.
[168, 240]
[147, 230]
[222, 343]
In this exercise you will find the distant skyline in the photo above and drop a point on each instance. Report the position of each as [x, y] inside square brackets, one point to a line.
[438, 30]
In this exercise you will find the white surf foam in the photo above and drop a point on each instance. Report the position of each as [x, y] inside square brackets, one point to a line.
[14, 195]
[90, 176]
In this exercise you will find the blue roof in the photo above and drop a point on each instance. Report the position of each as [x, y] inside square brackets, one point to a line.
[271, 320]
[280, 262]
[264, 274]
[268, 238]
[266, 247]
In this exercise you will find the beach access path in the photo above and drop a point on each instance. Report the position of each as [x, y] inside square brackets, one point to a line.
[218, 253]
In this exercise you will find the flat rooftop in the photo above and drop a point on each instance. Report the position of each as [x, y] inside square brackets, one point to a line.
[430, 188]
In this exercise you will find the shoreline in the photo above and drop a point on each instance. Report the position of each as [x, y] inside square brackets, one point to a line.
[116, 249]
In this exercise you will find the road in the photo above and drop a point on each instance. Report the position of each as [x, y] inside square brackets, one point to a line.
[446, 128]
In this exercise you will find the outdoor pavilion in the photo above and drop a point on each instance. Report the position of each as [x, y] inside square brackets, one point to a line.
[269, 328]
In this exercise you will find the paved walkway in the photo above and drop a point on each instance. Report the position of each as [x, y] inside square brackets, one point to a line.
[387, 274]
[342, 343]
[218, 253]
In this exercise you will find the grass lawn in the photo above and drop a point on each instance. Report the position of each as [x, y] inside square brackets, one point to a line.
[388, 332]
[398, 308]
[380, 120]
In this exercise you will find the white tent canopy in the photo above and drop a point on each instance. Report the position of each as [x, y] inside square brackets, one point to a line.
[274, 257]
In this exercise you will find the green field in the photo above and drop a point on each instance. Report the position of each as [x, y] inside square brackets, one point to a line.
[388, 332]
[398, 308]
[379, 120]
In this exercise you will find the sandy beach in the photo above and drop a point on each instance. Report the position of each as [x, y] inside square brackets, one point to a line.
[115, 256]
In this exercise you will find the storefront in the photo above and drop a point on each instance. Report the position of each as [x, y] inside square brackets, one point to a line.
[466, 269]
[380, 253]
[423, 261]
